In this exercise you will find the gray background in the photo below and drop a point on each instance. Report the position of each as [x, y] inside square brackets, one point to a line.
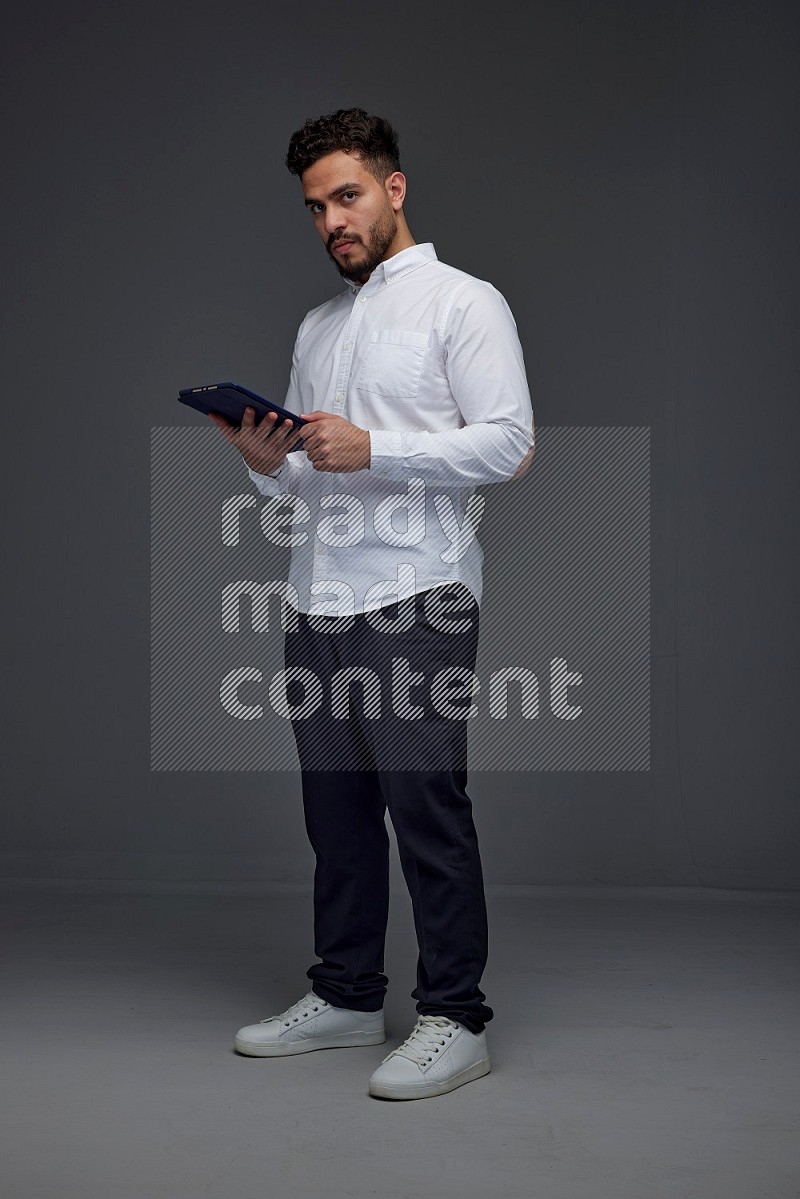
[626, 174]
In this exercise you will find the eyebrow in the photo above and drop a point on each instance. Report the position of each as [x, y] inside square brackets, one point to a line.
[337, 191]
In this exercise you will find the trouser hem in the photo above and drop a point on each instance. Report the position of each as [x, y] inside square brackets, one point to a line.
[343, 1002]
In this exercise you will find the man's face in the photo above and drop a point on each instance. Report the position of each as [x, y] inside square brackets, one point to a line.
[353, 213]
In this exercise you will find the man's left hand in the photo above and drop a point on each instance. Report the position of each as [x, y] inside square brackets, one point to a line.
[334, 444]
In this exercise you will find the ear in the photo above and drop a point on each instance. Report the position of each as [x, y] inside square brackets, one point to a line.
[395, 185]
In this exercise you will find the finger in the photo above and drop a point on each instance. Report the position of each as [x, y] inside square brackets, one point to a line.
[225, 427]
[281, 427]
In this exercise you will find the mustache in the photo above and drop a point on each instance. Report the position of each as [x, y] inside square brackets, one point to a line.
[333, 240]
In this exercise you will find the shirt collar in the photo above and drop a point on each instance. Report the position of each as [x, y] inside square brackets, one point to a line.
[399, 264]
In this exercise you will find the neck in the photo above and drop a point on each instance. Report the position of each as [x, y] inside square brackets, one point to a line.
[402, 239]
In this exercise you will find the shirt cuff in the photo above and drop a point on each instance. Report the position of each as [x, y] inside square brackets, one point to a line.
[386, 453]
[266, 484]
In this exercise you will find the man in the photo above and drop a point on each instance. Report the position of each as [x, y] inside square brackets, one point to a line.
[413, 385]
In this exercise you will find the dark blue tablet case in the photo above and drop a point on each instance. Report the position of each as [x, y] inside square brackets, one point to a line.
[231, 399]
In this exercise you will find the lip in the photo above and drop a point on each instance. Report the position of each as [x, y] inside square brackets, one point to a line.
[341, 247]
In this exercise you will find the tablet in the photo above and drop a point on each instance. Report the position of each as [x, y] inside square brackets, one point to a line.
[231, 399]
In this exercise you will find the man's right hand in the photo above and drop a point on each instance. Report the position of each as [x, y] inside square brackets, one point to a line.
[263, 446]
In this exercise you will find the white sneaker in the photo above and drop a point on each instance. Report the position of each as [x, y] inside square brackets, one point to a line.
[437, 1057]
[311, 1023]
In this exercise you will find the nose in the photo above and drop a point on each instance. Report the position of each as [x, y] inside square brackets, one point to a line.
[334, 222]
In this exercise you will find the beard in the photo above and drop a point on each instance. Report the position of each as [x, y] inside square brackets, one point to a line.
[380, 236]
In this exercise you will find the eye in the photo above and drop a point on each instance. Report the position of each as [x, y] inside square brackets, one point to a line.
[314, 208]
[346, 194]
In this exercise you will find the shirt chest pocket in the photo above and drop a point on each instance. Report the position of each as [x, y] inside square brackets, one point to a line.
[393, 363]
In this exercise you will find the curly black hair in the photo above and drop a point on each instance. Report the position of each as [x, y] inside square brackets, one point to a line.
[373, 138]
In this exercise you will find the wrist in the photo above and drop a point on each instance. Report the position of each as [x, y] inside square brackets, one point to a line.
[262, 471]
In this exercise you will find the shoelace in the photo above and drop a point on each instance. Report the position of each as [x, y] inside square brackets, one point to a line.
[427, 1037]
[304, 1007]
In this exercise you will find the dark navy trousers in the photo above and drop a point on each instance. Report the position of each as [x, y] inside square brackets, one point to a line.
[391, 741]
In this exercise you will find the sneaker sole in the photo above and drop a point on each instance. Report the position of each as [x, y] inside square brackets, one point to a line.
[284, 1048]
[386, 1090]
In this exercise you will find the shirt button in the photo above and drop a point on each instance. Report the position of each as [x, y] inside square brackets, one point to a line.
[362, 299]
[339, 395]
[347, 345]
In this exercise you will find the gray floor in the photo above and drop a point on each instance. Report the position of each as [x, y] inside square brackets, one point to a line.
[645, 1044]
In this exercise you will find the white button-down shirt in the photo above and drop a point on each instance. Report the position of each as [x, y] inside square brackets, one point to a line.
[427, 358]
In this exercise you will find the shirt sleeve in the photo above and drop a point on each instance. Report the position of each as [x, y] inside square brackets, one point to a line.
[486, 372]
[287, 474]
